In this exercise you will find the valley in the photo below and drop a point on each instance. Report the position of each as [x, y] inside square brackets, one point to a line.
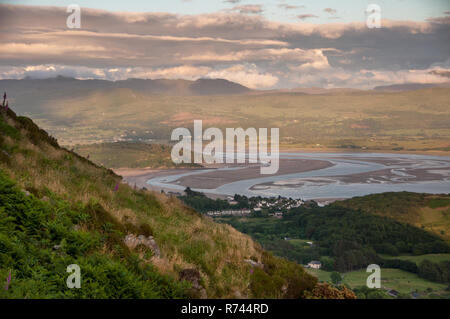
[140, 111]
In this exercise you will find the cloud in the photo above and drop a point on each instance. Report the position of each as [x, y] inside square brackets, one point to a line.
[330, 10]
[241, 47]
[249, 9]
[306, 16]
[290, 7]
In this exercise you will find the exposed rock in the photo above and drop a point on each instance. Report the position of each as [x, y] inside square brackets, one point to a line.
[27, 193]
[254, 263]
[193, 276]
[6, 153]
[132, 241]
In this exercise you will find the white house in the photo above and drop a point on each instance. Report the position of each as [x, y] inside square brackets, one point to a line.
[315, 264]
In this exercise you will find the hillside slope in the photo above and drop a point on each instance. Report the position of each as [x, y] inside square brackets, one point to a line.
[426, 211]
[57, 208]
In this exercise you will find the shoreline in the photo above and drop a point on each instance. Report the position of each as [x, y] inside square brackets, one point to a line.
[214, 178]
[283, 149]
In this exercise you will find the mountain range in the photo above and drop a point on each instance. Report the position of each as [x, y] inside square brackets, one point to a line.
[158, 86]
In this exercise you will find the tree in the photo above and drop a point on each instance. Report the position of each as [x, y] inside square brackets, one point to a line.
[327, 263]
[336, 277]
[429, 270]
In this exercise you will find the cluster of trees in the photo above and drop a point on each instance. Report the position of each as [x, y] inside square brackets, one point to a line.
[405, 265]
[202, 203]
[331, 225]
[438, 272]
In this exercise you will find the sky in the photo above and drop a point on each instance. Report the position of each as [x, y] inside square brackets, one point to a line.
[261, 44]
[277, 10]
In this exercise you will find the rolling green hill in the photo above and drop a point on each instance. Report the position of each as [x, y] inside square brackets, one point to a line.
[340, 119]
[130, 155]
[58, 208]
[429, 212]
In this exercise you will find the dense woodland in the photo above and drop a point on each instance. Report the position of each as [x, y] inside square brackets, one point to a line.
[346, 240]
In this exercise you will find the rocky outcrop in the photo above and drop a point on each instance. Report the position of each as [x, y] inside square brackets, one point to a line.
[132, 241]
[254, 263]
[193, 276]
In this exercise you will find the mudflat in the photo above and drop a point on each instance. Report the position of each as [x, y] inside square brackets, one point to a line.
[216, 178]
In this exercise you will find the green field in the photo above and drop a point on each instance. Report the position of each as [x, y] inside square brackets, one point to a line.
[299, 242]
[130, 155]
[402, 281]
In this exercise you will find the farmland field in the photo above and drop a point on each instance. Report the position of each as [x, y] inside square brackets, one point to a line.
[402, 281]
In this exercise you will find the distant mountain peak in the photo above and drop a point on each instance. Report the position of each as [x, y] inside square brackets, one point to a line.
[203, 86]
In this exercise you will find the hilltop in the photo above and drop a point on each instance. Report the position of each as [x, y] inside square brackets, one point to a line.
[58, 208]
[67, 85]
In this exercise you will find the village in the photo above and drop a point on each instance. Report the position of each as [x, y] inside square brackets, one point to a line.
[274, 207]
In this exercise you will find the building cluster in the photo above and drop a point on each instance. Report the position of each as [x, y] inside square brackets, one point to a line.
[275, 207]
[230, 212]
[279, 203]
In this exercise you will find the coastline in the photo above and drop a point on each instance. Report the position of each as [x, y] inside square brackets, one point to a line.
[284, 149]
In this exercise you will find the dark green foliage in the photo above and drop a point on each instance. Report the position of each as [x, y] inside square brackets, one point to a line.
[34, 133]
[8, 130]
[353, 238]
[437, 272]
[371, 293]
[38, 240]
[398, 203]
[327, 263]
[203, 204]
[405, 265]
[336, 278]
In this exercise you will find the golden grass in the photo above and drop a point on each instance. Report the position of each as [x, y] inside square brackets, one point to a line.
[178, 230]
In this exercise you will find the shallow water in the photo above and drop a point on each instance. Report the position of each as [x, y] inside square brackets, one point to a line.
[323, 183]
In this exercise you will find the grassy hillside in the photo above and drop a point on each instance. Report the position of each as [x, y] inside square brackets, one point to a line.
[131, 155]
[429, 212]
[347, 120]
[57, 208]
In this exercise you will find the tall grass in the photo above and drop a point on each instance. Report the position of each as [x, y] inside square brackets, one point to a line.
[187, 240]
